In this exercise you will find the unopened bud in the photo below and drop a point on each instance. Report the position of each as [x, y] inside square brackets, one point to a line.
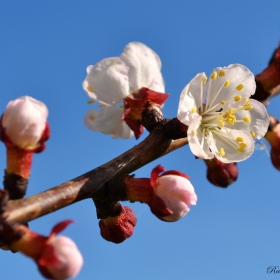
[221, 174]
[117, 229]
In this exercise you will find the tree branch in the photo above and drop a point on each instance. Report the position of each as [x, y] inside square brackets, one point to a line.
[157, 144]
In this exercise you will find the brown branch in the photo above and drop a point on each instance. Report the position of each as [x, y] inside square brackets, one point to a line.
[157, 144]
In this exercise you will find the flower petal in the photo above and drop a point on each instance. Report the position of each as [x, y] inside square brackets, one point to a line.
[240, 79]
[259, 120]
[226, 139]
[108, 120]
[195, 138]
[107, 81]
[144, 67]
[191, 99]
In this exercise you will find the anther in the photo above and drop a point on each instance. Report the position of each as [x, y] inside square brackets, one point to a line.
[193, 109]
[222, 152]
[223, 102]
[240, 149]
[89, 88]
[239, 139]
[248, 107]
[214, 75]
[237, 98]
[246, 119]
[222, 73]
[91, 101]
[239, 87]
[222, 123]
[227, 83]
[253, 133]
[204, 80]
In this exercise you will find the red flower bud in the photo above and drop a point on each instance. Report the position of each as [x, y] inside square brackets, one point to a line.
[273, 137]
[221, 174]
[117, 229]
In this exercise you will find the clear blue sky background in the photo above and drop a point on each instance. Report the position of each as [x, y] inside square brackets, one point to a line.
[45, 48]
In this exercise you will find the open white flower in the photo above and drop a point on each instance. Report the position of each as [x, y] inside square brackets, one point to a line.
[223, 122]
[113, 79]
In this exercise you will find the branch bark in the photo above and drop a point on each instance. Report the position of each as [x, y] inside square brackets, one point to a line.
[157, 144]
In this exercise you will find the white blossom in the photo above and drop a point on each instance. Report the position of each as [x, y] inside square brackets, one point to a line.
[112, 79]
[223, 122]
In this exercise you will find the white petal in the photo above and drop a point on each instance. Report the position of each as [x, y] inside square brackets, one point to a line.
[236, 74]
[144, 67]
[226, 139]
[259, 119]
[195, 140]
[108, 120]
[122, 131]
[191, 98]
[107, 81]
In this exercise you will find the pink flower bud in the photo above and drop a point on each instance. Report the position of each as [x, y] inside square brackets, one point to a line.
[57, 257]
[60, 259]
[24, 122]
[173, 190]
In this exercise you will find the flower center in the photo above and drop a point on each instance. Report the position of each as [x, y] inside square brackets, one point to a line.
[215, 116]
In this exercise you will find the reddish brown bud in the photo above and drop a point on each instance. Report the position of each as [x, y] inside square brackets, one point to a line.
[268, 82]
[221, 174]
[117, 229]
[273, 137]
[134, 105]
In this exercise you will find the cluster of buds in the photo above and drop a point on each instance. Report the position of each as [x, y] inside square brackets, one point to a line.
[169, 195]
[24, 130]
[57, 257]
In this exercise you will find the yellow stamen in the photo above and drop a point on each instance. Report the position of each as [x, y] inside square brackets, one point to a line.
[226, 83]
[246, 119]
[239, 139]
[204, 80]
[253, 133]
[92, 117]
[89, 88]
[239, 87]
[222, 73]
[242, 145]
[101, 105]
[223, 102]
[91, 101]
[222, 152]
[222, 123]
[214, 75]
[248, 107]
[240, 149]
[229, 117]
[193, 109]
[237, 98]
[121, 106]
[194, 132]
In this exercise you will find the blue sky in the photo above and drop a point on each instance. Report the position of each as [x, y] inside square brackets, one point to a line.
[46, 46]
